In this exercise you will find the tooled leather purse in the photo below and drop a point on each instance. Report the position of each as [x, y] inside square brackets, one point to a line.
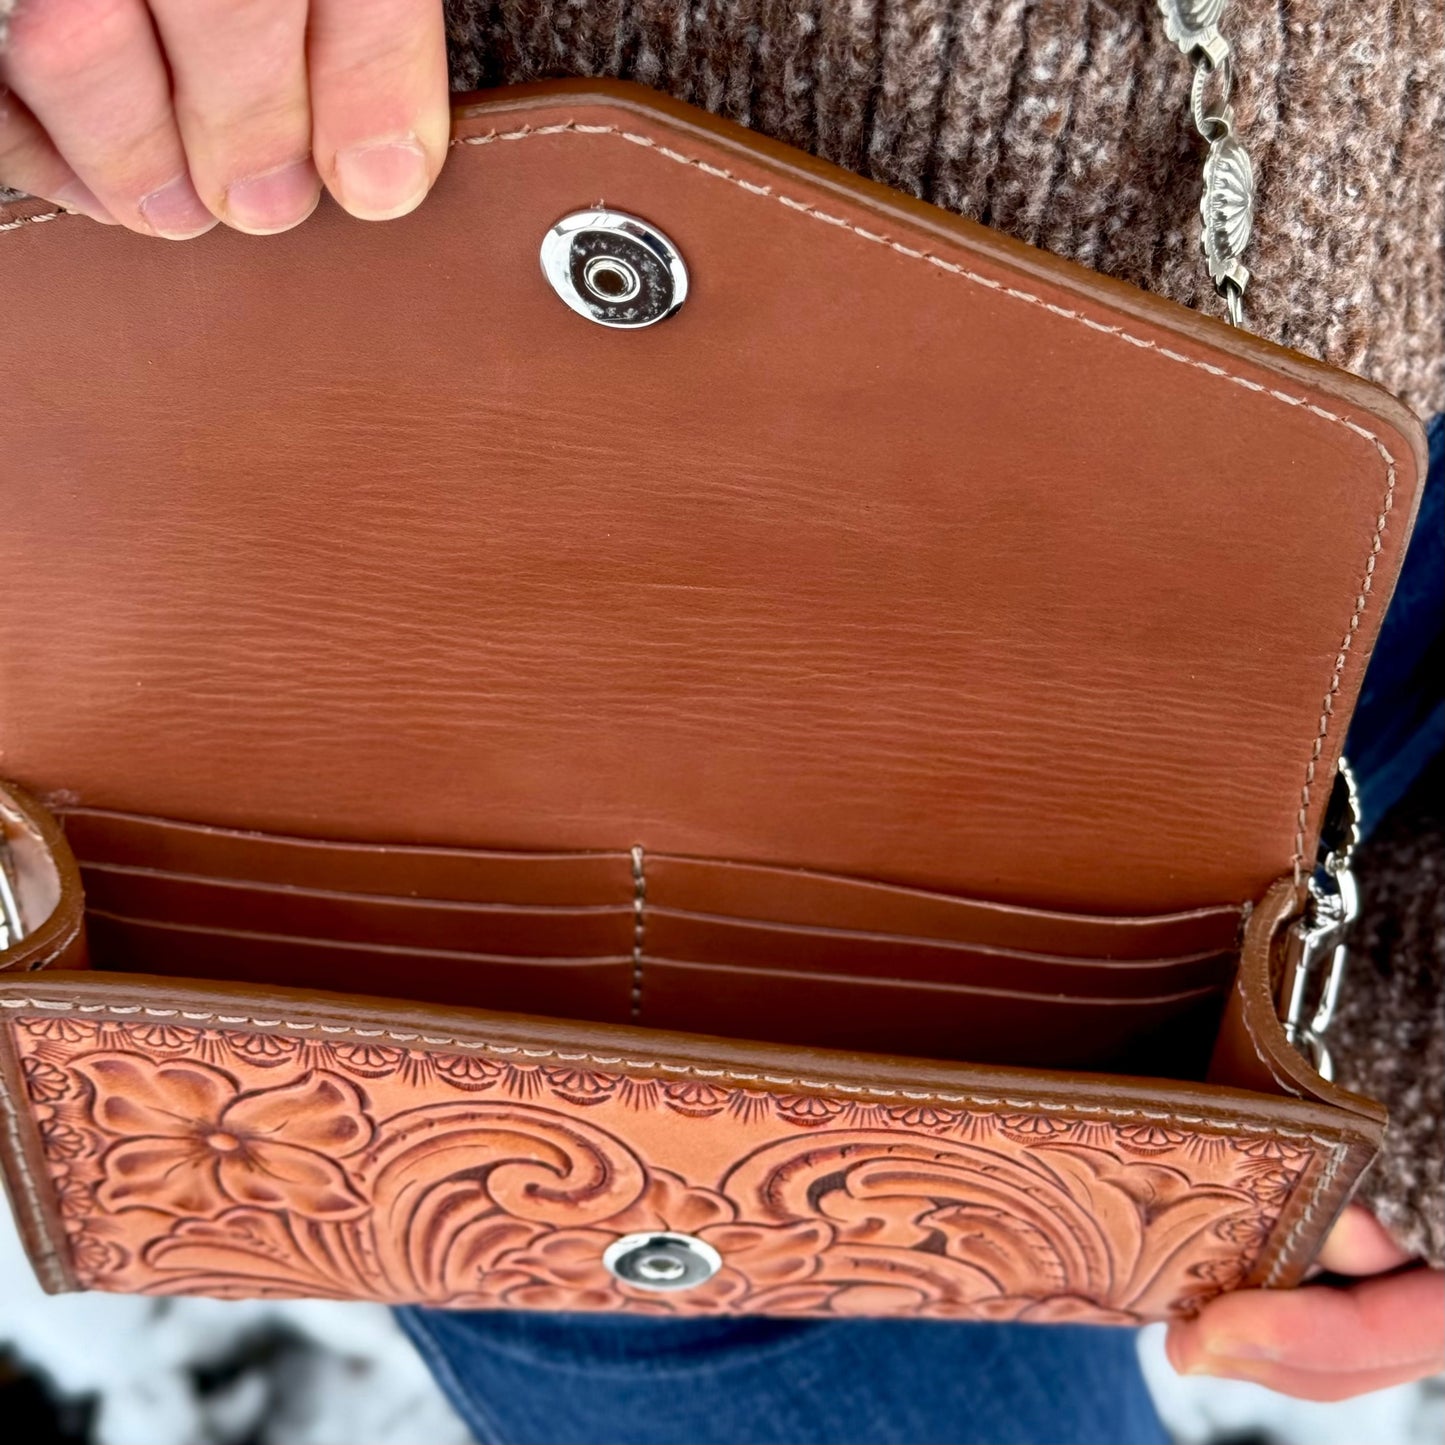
[775, 762]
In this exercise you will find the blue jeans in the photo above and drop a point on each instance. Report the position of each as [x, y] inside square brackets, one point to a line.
[557, 1379]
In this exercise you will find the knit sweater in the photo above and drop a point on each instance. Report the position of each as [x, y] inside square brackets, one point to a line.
[1065, 123]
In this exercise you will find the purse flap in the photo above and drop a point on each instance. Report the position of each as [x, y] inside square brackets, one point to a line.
[902, 550]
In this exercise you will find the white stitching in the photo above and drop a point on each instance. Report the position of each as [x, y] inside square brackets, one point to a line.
[1286, 1250]
[1327, 707]
[658, 1066]
[953, 268]
[31, 220]
[639, 927]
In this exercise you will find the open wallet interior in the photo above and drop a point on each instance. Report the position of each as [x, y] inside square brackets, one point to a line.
[917, 646]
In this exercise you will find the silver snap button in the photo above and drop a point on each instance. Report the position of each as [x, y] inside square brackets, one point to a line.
[662, 1261]
[614, 269]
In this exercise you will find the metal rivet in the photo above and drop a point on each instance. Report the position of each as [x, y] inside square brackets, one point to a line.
[662, 1261]
[614, 269]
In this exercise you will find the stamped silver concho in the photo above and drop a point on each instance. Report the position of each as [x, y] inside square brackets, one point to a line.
[614, 269]
[1227, 208]
[1193, 25]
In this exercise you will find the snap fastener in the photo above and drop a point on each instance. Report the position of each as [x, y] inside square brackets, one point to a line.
[662, 1261]
[614, 269]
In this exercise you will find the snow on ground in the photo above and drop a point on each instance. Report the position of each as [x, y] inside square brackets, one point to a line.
[309, 1372]
[1199, 1410]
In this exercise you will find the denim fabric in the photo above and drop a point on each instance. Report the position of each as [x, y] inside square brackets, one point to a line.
[1399, 723]
[558, 1379]
[619, 1380]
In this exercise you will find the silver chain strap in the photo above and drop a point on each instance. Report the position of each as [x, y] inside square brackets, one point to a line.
[1227, 205]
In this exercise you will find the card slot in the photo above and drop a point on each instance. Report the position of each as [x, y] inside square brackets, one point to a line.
[1169, 1036]
[469, 875]
[809, 899]
[697, 938]
[449, 924]
[593, 988]
[922, 986]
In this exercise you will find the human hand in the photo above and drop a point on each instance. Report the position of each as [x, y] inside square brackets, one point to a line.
[1322, 1342]
[168, 116]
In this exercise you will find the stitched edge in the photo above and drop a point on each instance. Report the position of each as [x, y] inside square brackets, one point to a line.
[1264, 1055]
[1068, 314]
[570, 127]
[54, 952]
[612, 1061]
[51, 1259]
[639, 926]
[1322, 1191]
[1327, 707]
[31, 220]
[49, 1264]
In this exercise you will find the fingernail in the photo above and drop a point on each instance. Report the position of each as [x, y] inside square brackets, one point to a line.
[384, 180]
[176, 211]
[274, 200]
[79, 198]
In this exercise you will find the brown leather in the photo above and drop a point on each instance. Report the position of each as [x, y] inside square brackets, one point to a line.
[903, 552]
[200, 1139]
[47, 887]
[918, 645]
[673, 942]
[170, 1137]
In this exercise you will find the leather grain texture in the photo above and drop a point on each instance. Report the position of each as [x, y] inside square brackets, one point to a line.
[915, 617]
[181, 1139]
[769, 953]
[903, 552]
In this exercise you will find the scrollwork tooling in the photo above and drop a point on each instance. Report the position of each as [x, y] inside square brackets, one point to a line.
[240, 1163]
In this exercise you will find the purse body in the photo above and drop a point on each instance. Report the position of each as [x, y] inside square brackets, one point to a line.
[919, 658]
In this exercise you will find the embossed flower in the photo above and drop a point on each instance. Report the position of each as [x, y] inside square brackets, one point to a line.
[45, 1082]
[265, 1049]
[467, 1071]
[60, 1031]
[1150, 1138]
[190, 1143]
[1034, 1126]
[95, 1257]
[921, 1116]
[371, 1061]
[63, 1141]
[582, 1086]
[695, 1098]
[809, 1109]
[166, 1037]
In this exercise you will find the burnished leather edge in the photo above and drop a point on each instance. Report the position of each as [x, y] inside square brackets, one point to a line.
[58, 941]
[1345, 1140]
[27, 1182]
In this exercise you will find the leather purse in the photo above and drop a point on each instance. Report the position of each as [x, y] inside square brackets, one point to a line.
[808, 807]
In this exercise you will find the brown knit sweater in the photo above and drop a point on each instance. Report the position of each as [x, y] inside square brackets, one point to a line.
[1063, 122]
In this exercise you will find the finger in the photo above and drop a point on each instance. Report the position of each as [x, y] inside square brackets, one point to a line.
[92, 73]
[1360, 1244]
[30, 163]
[381, 113]
[238, 77]
[1320, 1343]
